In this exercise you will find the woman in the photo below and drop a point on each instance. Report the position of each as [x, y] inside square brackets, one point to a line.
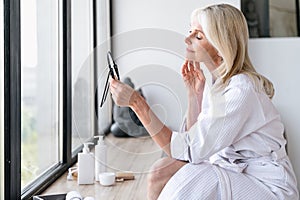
[231, 145]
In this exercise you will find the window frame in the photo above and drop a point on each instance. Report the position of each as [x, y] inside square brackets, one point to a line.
[298, 17]
[1, 102]
[12, 102]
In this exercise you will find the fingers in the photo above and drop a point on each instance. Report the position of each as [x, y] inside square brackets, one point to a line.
[191, 66]
[187, 67]
[184, 68]
[114, 87]
[194, 66]
[117, 86]
[115, 83]
[197, 69]
[118, 92]
[191, 70]
[201, 75]
[197, 64]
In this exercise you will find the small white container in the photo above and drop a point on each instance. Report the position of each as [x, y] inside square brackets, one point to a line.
[73, 195]
[86, 166]
[100, 156]
[107, 178]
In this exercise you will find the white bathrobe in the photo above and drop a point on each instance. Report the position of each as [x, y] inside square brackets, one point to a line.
[235, 150]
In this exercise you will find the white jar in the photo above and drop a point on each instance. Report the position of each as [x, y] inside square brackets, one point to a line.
[107, 178]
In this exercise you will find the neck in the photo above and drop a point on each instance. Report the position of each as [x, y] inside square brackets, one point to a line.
[212, 66]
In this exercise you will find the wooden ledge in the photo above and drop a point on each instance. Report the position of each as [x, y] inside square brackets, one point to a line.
[124, 154]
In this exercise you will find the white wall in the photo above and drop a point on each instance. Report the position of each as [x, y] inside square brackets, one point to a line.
[103, 44]
[275, 58]
[148, 43]
[168, 14]
[278, 59]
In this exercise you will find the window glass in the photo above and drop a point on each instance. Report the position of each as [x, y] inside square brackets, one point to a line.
[39, 88]
[1, 103]
[104, 114]
[83, 109]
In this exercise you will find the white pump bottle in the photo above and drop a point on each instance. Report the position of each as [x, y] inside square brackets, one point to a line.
[86, 165]
[100, 156]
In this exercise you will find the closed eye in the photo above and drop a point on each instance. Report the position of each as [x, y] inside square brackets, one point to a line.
[196, 34]
[199, 37]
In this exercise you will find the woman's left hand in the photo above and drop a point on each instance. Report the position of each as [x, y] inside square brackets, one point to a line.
[193, 77]
[122, 94]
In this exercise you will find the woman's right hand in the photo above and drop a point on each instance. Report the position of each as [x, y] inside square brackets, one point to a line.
[193, 77]
[122, 94]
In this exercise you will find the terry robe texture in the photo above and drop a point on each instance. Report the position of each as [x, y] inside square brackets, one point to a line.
[235, 150]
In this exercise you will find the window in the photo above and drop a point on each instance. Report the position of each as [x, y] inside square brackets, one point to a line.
[40, 88]
[47, 82]
[83, 72]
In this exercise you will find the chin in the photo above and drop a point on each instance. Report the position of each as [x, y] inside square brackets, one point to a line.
[189, 57]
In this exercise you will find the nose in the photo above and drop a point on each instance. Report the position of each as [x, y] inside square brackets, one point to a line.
[187, 40]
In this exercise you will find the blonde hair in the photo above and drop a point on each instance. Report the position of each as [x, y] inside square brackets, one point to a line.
[226, 29]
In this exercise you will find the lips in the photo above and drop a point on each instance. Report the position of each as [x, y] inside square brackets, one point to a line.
[188, 50]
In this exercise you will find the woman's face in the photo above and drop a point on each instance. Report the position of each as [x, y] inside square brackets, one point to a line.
[198, 48]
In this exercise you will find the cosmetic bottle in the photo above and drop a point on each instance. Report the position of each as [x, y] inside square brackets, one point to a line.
[86, 166]
[100, 156]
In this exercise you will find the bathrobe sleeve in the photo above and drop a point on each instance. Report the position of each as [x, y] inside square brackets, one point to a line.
[229, 116]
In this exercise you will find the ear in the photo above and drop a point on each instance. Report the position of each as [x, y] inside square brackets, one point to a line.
[220, 56]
